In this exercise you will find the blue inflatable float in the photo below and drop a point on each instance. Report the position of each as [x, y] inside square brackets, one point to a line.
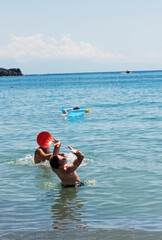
[74, 112]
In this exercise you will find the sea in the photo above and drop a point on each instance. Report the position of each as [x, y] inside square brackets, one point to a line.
[120, 137]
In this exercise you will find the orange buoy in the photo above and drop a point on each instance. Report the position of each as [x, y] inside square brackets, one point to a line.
[44, 139]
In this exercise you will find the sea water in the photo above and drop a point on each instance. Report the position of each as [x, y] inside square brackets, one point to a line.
[122, 169]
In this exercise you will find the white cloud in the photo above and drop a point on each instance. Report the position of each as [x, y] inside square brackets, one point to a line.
[39, 46]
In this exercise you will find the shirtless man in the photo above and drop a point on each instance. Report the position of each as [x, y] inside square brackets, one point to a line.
[42, 154]
[66, 173]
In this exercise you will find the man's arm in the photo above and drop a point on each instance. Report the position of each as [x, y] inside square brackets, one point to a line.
[57, 145]
[77, 161]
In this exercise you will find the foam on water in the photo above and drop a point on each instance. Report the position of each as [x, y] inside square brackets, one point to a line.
[90, 182]
[85, 162]
[28, 160]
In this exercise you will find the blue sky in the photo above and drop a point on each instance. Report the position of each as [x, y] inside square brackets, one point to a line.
[64, 36]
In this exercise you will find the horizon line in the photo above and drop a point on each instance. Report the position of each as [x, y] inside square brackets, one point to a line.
[70, 73]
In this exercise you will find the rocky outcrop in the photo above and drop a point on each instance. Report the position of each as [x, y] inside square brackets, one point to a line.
[10, 72]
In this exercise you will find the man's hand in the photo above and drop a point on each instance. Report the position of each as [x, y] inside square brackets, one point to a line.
[76, 163]
[74, 151]
[56, 142]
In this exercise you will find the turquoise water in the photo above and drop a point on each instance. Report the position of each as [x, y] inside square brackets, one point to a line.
[120, 138]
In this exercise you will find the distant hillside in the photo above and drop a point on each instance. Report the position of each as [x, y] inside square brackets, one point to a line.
[10, 72]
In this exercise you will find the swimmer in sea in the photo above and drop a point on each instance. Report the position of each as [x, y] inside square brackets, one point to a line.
[43, 154]
[66, 173]
[64, 115]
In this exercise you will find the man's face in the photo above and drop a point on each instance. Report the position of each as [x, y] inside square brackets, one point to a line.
[62, 160]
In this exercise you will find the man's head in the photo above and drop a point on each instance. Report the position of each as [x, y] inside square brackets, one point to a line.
[58, 161]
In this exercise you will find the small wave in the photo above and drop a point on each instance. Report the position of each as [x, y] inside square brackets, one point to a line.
[28, 160]
[90, 182]
[46, 164]
[86, 162]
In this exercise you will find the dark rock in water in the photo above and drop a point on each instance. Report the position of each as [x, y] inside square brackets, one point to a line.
[10, 72]
[127, 71]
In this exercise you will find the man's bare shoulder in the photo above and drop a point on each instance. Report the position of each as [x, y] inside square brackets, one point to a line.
[68, 169]
[64, 171]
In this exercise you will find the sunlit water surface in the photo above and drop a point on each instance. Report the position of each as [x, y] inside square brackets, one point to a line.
[120, 138]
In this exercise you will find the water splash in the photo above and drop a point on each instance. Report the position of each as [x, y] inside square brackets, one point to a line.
[90, 182]
[86, 161]
[28, 160]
